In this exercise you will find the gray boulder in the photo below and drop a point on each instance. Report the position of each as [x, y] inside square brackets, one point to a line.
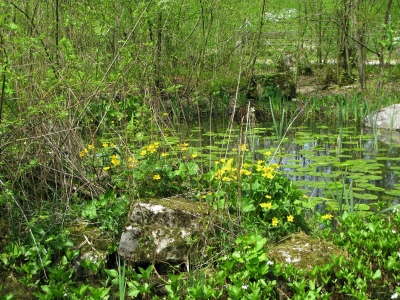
[164, 230]
[386, 118]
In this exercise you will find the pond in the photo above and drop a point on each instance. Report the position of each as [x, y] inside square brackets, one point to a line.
[326, 162]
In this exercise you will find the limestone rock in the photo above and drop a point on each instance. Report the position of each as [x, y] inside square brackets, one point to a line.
[386, 118]
[162, 230]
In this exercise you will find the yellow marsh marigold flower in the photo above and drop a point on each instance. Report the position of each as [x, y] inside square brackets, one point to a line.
[157, 177]
[83, 152]
[105, 145]
[90, 147]
[268, 196]
[143, 152]
[115, 160]
[266, 205]
[327, 217]
[234, 149]
[227, 178]
[305, 196]
[290, 218]
[243, 147]
[112, 144]
[268, 175]
[268, 153]
[194, 155]
[245, 172]
[106, 168]
[164, 154]
[183, 146]
[275, 221]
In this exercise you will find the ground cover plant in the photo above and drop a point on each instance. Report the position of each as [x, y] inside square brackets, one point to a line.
[264, 205]
[97, 101]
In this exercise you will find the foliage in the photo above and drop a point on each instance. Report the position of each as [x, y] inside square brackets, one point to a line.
[260, 193]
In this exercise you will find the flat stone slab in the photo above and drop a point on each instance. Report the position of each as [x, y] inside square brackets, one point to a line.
[386, 118]
[162, 230]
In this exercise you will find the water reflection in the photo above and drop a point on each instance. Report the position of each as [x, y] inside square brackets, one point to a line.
[310, 156]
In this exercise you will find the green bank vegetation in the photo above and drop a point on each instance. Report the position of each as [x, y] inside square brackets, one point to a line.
[92, 102]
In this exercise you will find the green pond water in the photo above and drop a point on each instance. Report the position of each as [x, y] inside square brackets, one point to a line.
[326, 162]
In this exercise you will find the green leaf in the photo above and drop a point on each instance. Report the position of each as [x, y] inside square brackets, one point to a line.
[112, 273]
[377, 274]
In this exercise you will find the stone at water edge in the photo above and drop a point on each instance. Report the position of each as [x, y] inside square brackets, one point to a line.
[386, 118]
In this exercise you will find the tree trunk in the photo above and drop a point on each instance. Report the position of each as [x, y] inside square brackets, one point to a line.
[343, 62]
[382, 48]
[359, 45]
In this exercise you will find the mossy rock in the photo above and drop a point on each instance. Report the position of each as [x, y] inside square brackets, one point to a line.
[304, 251]
[165, 230]
[280, 83]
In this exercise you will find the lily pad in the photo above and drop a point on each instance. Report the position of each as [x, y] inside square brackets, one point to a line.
[365, 196]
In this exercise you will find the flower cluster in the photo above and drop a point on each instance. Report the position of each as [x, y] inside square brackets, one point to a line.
[327, 217]
[152, 148]
[226, 172]
[86, 150]
[267, 171]
[183, 146]
[269, 206]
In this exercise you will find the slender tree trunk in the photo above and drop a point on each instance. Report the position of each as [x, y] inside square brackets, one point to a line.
[257, 46]
[359, 45]
[382, 48]
[343, 62]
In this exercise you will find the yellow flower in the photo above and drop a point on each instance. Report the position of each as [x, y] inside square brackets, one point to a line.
[90, 147]
[227, 178]
[164, 154]
[112, 144]
[143, 152]
[290, 218]
[106, 168]
[267, 205]
[268, 153]
[194, 155]
[305, 196]
[105, 145]
[268, 175]
[268, 196]
[327, 217]
[203, 197]
[234, 149]
[183, 146]
[115, 160]
[245, 172]
[157, 177]
[83, 152]
[165, 114]
[275, 221]
[243, 147]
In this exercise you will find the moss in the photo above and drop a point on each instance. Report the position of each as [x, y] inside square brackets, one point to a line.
[158, 229]
[82, 230]
[304, 251]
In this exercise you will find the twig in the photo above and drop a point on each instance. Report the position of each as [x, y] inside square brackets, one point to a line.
[30, 230]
